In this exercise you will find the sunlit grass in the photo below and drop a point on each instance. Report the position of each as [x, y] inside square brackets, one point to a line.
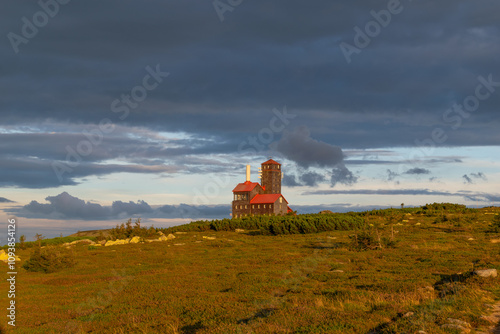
[251, 283]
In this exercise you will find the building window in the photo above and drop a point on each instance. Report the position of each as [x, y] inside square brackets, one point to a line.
[264, 206]
[258, 206]
[281, 199]
[270, 206]
[246, 207]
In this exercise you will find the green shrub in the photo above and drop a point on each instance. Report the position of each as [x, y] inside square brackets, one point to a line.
[367, 240]
[314, 223]
[48, 242]
[363, 241]
[49, 260]
[495, 225]
[126, 230]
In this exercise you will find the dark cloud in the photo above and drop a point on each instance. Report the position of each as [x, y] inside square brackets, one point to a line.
[290, 181]
[306, 152]
[391, 175]
[298, 61]
[474, 196]
[299, 147]
[67, 207]
[469, 179]
[5, 200]
[311, 179]
[483, 197]
[340, 174]
[226, 78]
[43, 160]
[64, 206]
[130, 209]
[479, 175]
[370, 162]
[418, 171]
[41, 173]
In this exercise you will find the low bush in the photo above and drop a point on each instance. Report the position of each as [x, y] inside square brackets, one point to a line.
[49, 260]
[48, 242]
[126, 230]
[367, 240]
[495, 225]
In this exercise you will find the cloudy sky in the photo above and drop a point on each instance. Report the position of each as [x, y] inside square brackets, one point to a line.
[116, 109]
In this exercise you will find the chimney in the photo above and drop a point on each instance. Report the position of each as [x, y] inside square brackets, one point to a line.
[248, 173]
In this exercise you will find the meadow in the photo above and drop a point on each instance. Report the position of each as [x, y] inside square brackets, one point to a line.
[384, 271]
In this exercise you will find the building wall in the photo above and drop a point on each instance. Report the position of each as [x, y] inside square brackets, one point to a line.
[275, 208]
[271, 179]
[280, 208]
[262, 209]
[242, 207]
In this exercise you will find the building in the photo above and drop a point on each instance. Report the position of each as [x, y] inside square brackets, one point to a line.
[252, 198]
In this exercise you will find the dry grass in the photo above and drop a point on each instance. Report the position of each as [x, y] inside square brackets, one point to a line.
[266, 284]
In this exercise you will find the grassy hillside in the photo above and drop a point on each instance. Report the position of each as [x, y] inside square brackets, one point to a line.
[395, 271]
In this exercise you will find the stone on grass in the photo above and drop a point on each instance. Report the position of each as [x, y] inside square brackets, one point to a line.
[456, 327]
[239, 230]
[5, 256]
[109, 243]
[180, 232]
[495, 241]
[116, 242]
[135, 240]
[462, 326]
[165, 238]
[459, 322]
[486, 273]
[88, 241]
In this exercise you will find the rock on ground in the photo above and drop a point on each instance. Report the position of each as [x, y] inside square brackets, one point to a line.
[117, 242]
[135, 240]
[5, 257]
[486, 273]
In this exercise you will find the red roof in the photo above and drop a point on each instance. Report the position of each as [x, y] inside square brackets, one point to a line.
[271, 162]
[244, 187]
[266, 199]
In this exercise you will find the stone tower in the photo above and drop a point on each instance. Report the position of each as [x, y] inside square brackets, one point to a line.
[271, 177]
